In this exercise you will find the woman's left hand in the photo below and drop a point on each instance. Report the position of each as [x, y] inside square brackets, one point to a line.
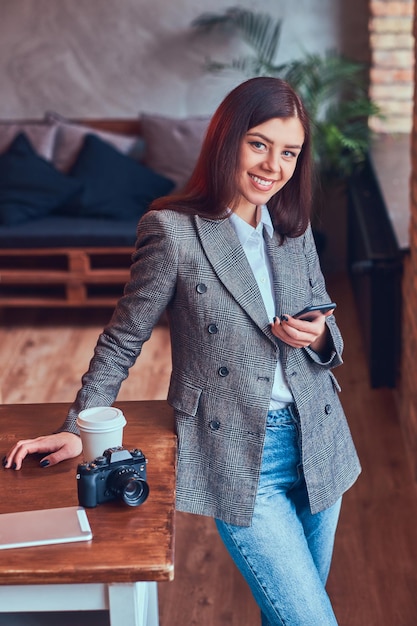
[300, 333]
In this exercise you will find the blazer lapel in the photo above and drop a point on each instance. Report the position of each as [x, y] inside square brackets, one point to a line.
[281, 273]
[228, 259]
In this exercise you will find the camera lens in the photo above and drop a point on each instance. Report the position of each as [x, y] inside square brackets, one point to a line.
[130, 487]
[135, 492]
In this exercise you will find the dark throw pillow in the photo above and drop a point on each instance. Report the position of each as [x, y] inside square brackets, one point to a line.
[115, 186]
[30, 187]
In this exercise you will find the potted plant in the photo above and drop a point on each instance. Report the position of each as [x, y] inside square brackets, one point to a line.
[332, 87]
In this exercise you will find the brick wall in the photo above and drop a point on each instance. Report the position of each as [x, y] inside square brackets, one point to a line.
[392, 63]
[408, 384]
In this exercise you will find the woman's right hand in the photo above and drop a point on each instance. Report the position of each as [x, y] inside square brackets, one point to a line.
[60, 446]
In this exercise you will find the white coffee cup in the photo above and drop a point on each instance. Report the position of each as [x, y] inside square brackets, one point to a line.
[101, 427]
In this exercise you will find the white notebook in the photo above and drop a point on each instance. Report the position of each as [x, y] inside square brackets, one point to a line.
[44, 527]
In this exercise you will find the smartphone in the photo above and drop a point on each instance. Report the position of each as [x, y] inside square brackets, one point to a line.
[310, 312]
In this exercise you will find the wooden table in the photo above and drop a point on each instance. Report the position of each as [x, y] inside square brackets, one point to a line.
[132, 547]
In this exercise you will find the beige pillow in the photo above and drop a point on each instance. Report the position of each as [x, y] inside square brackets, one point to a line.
[70, 139]
[172, 145]
[41, 136]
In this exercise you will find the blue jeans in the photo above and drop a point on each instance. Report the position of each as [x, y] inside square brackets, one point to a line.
[285, 554]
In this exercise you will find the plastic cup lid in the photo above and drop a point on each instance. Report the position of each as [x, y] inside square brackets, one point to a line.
[100, 418]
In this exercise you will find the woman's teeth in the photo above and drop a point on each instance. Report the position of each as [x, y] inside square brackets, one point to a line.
[261, 181]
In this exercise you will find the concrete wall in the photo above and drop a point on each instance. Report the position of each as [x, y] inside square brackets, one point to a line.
[117, 58]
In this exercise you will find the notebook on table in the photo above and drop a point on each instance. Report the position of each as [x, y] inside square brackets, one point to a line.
[44, 527]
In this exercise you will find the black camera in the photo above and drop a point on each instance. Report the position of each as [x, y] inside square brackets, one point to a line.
[117, 474]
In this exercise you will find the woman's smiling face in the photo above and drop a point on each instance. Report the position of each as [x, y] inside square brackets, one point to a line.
[267, 160]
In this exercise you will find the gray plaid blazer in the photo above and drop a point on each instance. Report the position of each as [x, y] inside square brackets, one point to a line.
[223, 361]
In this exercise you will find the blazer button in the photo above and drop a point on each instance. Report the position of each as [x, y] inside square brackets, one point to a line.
[223, 371]
[212, 328]
[328, 409]
[201, 288]
[214, 425]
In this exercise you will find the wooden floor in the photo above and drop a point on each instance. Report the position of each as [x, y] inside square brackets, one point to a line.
[373, 581]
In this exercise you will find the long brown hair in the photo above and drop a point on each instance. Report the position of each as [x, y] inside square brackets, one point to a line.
[212, 188]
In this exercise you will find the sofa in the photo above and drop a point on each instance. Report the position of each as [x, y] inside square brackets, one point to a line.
[71, 195]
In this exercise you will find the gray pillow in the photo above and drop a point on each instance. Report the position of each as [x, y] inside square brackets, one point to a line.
[70, 139]
[41, 136]
[172, 145]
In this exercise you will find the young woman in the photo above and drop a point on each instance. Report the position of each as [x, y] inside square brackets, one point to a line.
[264, 446]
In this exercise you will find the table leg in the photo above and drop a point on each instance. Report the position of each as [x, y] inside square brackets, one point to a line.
[135, 604]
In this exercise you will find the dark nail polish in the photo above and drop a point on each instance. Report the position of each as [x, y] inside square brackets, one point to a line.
[284, 318]
[44, 463]
[14, 466]
[274, 319]
[4, 461]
